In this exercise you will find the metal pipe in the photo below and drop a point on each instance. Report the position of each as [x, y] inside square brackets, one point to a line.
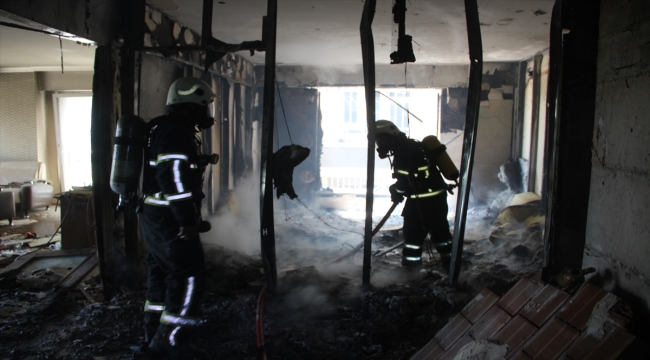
[374, 232]
[469, 140]
[368, 55]
[552, 130]
[267, 221]
[206, 23]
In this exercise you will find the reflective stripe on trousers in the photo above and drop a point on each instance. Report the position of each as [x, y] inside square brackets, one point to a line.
[150, 306]
[181, 319]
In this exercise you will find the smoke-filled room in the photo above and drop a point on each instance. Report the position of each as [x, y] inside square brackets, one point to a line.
[324, 179]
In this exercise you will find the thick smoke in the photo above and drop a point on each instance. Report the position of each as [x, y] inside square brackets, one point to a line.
[236, 225]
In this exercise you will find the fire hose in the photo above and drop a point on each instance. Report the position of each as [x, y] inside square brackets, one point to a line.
[374, 232]
[259, 325]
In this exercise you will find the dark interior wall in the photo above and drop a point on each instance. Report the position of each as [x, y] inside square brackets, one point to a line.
[94, 20]
[156, 75]
[617, 230]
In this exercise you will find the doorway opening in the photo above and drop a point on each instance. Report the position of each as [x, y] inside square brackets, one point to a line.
[344, 154]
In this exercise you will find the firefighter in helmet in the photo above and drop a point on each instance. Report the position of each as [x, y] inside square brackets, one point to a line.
[419, 168]
[171, 217]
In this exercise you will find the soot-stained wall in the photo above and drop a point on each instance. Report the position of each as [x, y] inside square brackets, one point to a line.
[618, 223]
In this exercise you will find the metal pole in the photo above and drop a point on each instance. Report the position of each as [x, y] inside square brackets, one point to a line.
[469, 140]
[101, 132]
[368, 54]
[206, 23]
[267, 226]
[552, 133]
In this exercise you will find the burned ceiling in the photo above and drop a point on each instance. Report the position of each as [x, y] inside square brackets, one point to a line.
[326, 33]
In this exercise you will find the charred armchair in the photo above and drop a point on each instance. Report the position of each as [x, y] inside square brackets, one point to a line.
[22, 179]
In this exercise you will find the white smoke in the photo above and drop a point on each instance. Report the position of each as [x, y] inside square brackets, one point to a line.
[236, 224]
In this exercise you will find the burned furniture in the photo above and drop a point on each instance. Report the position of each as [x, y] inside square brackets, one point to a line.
[22, 178]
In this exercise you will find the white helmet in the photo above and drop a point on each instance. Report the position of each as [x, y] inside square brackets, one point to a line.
[189, 90]
[387, 127]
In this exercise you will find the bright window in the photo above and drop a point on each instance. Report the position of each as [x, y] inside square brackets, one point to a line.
[72, 113]
[350, 107]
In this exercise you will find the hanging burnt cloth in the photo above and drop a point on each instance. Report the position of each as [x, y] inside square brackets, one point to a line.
[284, 161]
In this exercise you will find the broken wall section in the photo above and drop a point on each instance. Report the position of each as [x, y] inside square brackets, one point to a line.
[617, 225]
[494, 135]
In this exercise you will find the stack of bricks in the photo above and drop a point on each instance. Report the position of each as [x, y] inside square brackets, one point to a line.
[537, 322]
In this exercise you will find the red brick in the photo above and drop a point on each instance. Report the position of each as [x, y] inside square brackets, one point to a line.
[451, 353]
[551, 340]
[583, 346]
[520, 356]
[519, 295]
[609, 347]
[544, 304]
[479, 305]
[454, 329]
[430, 351]
[515, 333]
[489, 323]
[578, 309]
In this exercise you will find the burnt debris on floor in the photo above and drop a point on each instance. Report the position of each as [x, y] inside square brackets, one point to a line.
[318, 311]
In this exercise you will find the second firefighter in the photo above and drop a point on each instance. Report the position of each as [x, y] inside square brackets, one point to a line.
[419, 168]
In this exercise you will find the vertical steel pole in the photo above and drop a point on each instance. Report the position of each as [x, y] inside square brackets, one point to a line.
[368, 54]
[549, 192]
[206, 23]
[101, 131]
[267, 226]
[469, 140]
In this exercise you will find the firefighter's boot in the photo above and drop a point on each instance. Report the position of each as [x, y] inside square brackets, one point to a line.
[444, 249]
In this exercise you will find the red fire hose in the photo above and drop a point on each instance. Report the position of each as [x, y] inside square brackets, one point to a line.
[259, 325]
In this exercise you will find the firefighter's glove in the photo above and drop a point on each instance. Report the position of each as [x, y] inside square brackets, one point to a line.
[189, 232]
[204, 226]
[450, 187]
[395, 196]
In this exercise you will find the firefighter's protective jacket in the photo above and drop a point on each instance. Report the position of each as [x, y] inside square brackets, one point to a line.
[173, 177]
[416, 172]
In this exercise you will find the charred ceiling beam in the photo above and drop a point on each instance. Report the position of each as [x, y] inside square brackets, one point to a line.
[469, 140]
[68, 18]
[214, 49]
[368, 55]
[167, 37]
[268, 120]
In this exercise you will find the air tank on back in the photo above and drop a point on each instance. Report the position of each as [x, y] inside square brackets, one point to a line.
[130, 141]
[444, 162]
